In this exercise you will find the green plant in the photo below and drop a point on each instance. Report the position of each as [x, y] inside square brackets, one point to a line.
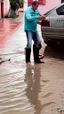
[21, 3]
[13, 3]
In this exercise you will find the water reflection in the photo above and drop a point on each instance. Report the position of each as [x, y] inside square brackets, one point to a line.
[6, 33]
[32, 78]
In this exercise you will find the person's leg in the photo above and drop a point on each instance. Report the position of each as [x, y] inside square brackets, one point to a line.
[36, 38]
[28, 46]
[36, 47]
[29, 39]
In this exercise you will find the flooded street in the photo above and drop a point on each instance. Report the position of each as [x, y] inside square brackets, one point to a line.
[34, 88]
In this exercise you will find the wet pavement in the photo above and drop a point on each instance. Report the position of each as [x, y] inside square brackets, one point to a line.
[34, 88]
[7, 29]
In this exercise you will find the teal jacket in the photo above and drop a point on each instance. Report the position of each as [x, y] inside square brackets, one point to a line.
[30, 19]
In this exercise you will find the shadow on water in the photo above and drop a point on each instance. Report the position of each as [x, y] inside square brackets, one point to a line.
[57, 52]
[32, 78]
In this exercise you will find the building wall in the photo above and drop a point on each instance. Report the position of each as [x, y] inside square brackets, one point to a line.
[45, 6]
[49, 5]
[6, 6]
[42, 8]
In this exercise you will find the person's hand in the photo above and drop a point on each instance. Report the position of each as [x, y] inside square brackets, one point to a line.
[39, 22]
[41, 17]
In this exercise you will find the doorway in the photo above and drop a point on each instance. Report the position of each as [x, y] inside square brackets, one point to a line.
[2, 9]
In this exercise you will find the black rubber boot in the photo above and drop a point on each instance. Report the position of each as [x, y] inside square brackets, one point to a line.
[27, 54]
[36, 54]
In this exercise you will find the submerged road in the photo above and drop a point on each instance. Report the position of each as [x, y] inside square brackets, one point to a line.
[34, 88]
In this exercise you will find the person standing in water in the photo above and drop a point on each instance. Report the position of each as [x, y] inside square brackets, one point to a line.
[31, 17]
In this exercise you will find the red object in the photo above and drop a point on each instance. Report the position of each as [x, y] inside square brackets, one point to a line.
[45, 23]
[30, 2]
[41, 2]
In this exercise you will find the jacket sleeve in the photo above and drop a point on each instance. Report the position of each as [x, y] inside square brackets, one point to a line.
[31, 17]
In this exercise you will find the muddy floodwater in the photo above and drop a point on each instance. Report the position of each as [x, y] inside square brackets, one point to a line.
[34, 88]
